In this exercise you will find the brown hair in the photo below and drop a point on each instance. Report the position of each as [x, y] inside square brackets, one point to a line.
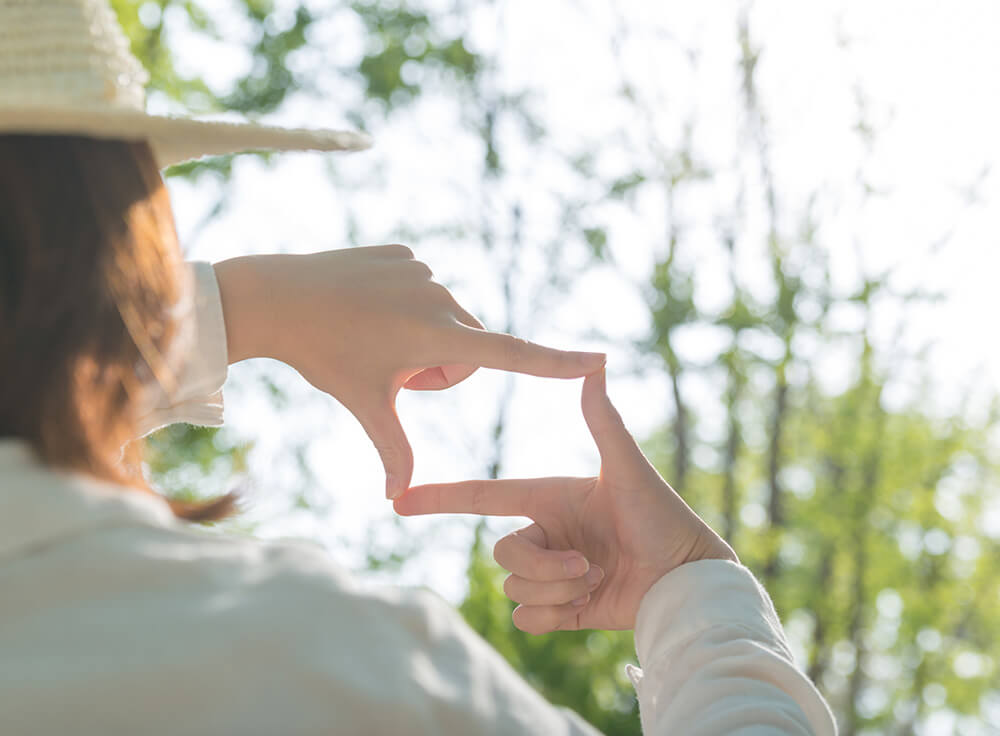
[89, 271]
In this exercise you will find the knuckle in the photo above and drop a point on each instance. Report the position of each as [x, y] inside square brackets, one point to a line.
[553, 567]
[501, 552]
[389, 453]
[560, 592]
[418, 268]
[439, 292]
[530, 621]
[515, 350]
[517, 616]
[402, 251]
[529, 507]
[478, 497]
[524, 621]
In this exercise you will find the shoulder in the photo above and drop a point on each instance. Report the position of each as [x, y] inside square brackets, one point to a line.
[263, 637]
[283, 618]
[136, 619]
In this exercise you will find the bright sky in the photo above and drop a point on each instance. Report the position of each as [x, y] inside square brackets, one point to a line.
[927, 71]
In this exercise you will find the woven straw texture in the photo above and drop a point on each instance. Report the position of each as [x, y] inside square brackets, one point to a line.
[66, 52]
[66, 67]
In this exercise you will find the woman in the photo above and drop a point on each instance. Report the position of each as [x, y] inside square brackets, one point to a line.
[117, 617]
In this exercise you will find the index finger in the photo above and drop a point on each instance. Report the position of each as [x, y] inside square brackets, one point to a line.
[483, 497]
[508, 353]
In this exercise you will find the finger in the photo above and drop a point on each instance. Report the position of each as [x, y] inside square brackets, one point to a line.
[534, 593]
[506, 352]
[543, 619]
[387, 434]
[439, 377]
[429, 379]
[394, 250]
[523, 553]
[446, 376]
[483, 497]
[616, 445]
[467, 319]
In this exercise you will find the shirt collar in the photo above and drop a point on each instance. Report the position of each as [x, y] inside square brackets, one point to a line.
[15, 453]
[39, 505]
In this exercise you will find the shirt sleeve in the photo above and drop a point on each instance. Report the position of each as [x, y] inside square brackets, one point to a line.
[715, 659]
[201, 365]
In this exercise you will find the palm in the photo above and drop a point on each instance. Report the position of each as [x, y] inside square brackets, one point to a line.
[585, 517]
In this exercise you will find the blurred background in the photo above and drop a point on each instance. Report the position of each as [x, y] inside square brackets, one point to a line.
[780, 220]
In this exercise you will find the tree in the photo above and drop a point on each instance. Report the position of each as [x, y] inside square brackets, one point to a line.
[861, 513]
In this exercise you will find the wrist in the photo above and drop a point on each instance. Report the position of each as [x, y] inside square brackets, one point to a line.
[244, 308]
[710, 546]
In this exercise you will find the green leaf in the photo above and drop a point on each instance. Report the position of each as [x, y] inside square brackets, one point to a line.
[597, 239]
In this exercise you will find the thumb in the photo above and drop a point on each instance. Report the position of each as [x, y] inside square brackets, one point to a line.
[617, 447]
[386, 433]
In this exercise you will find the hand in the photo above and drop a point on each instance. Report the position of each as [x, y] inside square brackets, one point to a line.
[362, 323]
[624, 530]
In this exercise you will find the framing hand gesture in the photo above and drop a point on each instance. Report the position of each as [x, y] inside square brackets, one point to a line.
[597, 544]
[363, 323]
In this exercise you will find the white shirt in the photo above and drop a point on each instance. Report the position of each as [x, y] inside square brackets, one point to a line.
[115, 618]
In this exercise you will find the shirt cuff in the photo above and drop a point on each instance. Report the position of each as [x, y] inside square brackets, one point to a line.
[700, 595]
[712, 619]
[202, 365]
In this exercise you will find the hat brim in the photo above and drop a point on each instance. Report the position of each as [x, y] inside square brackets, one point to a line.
[177, 139]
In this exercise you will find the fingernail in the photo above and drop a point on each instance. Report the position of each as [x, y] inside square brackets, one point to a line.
[391, 491]
[576, 566]
[594, 576]
[582, 601]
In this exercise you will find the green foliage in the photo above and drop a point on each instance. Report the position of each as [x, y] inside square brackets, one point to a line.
[878, 552]
[398, 36]
[626, 185]
[217, 166]
[597, 239]
[270, 80]
[674, 300]
[262, 90]
[862, 517]
[143, 21]
[192, 463]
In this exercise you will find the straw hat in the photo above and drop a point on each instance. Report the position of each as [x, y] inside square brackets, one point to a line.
[66, 68]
